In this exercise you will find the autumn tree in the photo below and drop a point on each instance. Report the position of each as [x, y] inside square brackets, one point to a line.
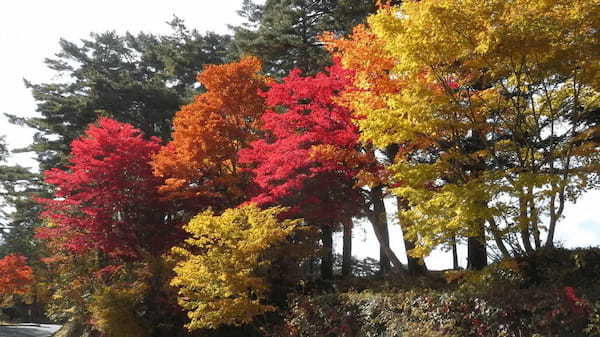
[309, 158]
[285, 33]
[493, 103]
[108, 228]
[16, 276]
[364, 53]
[199, 166]
[107, 198]
[231, 261]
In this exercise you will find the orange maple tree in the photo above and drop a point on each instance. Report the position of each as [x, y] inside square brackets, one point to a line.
[199, 166]
[15, 275]
[365, 54]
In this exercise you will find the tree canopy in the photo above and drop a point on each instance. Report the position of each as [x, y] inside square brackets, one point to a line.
[285, 33]
[199, 166]
[107, 197]
[190, 174]
[490, 114]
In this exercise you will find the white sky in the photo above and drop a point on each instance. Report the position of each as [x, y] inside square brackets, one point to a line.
[30, 30]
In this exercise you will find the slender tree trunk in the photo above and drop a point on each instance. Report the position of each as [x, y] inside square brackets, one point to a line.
[414, 267]
[534, 219]
[498, 238]
[536, 237]
[347, 249]
[327, 253]
[526, 238]
[524, 224]
[455, 265]
[555, 215]
[380, 218]
[382, 228]
[477, 254]
[396, 264]
[391, 256]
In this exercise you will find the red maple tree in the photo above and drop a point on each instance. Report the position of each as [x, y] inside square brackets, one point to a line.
[302, 160]
[106, 198]
[288, 163]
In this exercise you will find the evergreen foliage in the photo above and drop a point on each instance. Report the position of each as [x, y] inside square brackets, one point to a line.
[285, 33]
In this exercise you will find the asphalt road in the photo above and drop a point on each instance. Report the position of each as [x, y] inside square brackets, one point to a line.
[28, 330]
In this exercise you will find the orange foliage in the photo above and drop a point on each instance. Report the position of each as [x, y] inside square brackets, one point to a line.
[371, 65]
[199, 165]
[15, 275]
[364, 53]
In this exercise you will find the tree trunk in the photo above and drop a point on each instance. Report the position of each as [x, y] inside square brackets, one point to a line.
[375, 219]
[327, 253]
[524, 224]
[536, 237]
[414, 267]
[477, 254]
[526, 238]
[534, 219]
[347, 249]
[382, 227]
[555, 215]
[498, 238]
[455, 265]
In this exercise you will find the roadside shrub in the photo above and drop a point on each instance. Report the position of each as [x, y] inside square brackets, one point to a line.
[521, 312]
[113, 311]
[552, 293]
[561, 267]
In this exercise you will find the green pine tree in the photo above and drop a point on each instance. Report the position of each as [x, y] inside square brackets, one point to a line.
[139, 79]
[285, 33]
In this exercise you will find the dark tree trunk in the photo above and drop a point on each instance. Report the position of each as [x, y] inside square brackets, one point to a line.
[327, 253]
[477, 254]
[382, 226]
[524, 225]
[347, 250]
[454, 254]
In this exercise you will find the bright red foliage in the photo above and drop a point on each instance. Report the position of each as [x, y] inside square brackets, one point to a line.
[107, 197]
[289, 165]
[577, 305]
[15, 275]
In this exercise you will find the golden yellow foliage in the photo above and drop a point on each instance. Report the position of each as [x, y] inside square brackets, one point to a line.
[489, 101]
[222, 272]
[113, 310]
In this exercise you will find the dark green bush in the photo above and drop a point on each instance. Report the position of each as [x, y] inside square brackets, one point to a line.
[561, 267]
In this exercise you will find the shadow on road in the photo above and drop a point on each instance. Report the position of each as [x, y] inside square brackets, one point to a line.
[28, 330]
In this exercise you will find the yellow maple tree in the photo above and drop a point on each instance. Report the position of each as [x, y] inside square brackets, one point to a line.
[225, 265]
[495, 111]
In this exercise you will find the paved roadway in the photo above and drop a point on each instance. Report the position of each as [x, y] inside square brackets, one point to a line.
[28, 330]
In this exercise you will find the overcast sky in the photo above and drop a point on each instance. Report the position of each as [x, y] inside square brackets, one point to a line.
[30, 30]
